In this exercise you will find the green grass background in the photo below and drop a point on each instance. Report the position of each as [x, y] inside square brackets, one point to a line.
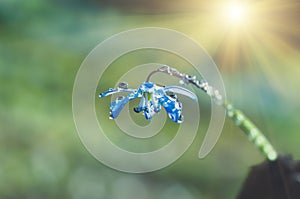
[42, 44]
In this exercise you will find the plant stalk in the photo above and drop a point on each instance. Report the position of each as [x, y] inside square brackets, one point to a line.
[244, 123]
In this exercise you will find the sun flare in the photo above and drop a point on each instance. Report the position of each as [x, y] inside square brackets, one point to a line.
[235, 12]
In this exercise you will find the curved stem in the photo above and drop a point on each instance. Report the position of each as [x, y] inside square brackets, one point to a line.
[237, 116]
[165, 69]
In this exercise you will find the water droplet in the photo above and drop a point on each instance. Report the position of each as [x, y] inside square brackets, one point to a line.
[123, 85]
[120, 98]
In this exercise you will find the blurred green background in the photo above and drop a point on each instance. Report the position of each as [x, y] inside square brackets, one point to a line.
[42, 44]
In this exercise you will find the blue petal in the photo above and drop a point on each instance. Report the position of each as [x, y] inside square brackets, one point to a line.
[147, 87]
[117, 105]
[141, 105]
[182, 91]
[149, 111]
[173, 108]
[113, 91]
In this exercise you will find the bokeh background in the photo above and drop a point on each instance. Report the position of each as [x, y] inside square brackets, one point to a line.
[255, 44]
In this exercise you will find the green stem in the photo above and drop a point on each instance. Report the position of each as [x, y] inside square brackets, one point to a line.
[244, 123]
[251, 131]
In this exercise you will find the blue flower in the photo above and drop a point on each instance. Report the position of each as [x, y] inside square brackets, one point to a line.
[153, 97]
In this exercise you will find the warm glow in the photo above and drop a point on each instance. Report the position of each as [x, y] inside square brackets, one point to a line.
[235, 13]
[250, 34]
[255, 36]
